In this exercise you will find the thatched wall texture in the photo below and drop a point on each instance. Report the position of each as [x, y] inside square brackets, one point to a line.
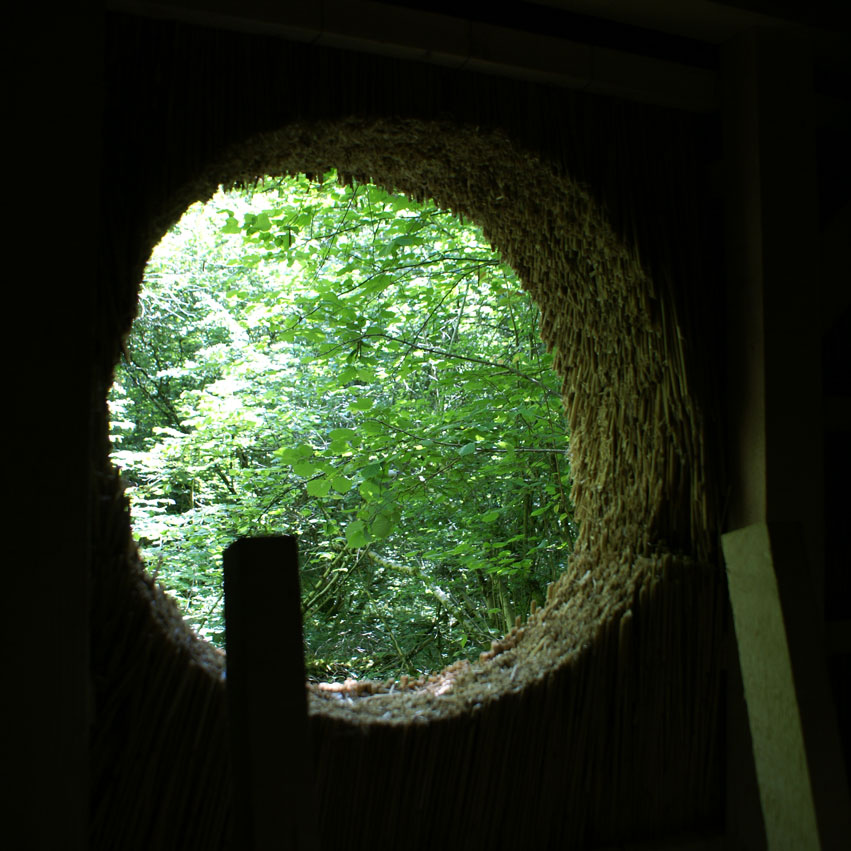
[595, 721]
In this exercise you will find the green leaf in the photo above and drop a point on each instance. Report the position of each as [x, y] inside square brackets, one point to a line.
[356, 535]
[341, 484]
[369, 490]
[318, 487]
[407, 240]
[382, 525]
[467, 449]
[294, 454]
[343, 434]
[377, 284]
[542, 510]
[305, 469]
[362, 404]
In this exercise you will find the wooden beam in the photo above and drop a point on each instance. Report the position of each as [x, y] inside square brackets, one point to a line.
[267, 704]
[773, 323]
[439, 39]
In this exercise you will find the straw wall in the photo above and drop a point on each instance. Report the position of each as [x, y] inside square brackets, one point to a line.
[597, 719]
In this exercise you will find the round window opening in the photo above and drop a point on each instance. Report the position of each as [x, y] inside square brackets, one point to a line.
[341, 363]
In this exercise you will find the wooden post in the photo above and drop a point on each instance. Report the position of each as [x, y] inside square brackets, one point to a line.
[774, 542]
[267, 705]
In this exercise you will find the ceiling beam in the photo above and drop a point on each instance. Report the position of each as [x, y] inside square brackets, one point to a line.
[449, 41]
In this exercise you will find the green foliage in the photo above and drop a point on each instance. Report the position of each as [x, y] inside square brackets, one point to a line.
[343, 364]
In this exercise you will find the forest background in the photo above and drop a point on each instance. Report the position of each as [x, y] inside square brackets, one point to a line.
[343, 364]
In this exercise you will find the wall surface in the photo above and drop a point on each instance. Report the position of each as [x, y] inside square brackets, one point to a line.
[161, 138]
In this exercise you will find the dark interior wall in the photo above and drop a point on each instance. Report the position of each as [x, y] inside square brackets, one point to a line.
[57, 84]
[146, 169]
[46, 706]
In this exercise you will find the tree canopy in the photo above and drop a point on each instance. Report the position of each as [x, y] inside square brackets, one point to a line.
[343, 364]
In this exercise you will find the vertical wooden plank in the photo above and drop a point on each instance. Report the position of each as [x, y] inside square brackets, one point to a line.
[769, 686]
[267, 704]
[773, 326]
[775, 449]
[803, 790]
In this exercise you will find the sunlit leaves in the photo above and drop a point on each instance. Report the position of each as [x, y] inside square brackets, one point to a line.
[363, 403]
[294, 454]
[341, 484]
[318, 487]
[305, 469]
[384, 522]
[356, 534]
[369, 489]
[342, 364]
[231, 224]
